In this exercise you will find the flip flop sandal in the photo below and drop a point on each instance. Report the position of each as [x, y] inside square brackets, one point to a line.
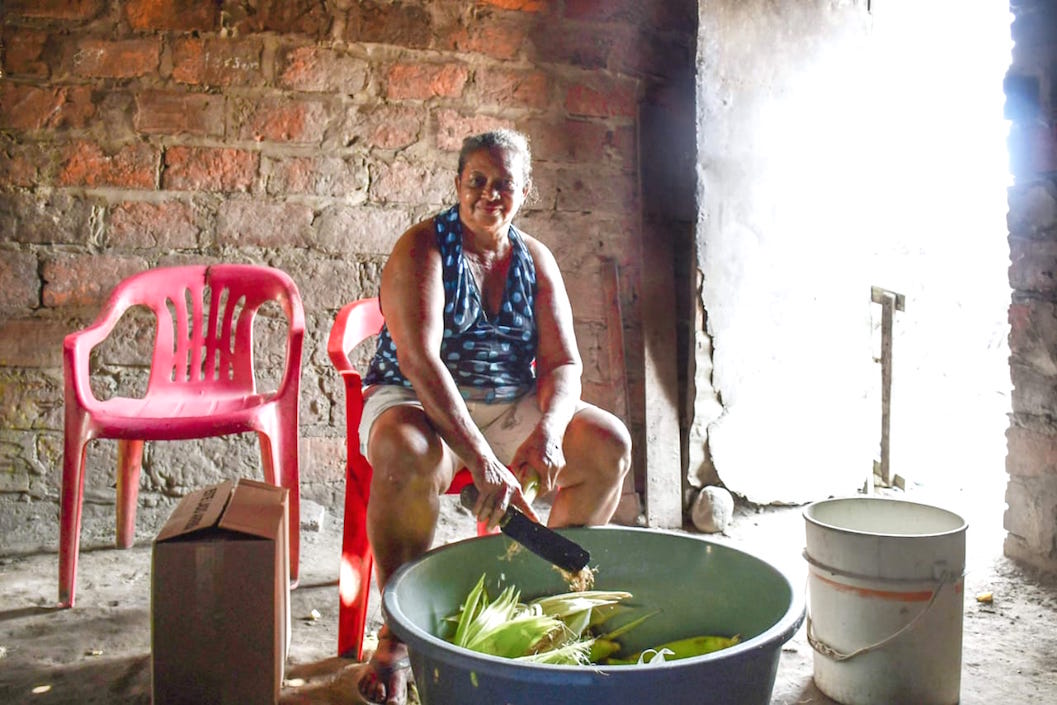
[381, 673]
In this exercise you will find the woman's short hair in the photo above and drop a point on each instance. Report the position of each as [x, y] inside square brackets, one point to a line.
[502, 138]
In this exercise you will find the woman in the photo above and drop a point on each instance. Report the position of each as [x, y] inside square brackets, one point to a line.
[478, 367]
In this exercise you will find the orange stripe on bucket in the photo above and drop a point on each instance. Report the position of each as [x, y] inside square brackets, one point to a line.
[891, 595]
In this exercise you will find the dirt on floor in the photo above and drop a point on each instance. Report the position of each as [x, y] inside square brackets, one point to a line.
[99, 652]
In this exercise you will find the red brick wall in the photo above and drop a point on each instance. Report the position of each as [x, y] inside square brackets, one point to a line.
[304, 135]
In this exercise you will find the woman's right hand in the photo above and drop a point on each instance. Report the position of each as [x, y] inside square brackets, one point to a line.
[498, 489]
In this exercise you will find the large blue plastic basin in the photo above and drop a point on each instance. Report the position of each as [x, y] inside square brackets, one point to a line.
[701, 587]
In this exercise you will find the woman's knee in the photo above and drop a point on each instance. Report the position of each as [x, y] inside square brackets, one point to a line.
[601, 437]
[405, 450]
[620, 446]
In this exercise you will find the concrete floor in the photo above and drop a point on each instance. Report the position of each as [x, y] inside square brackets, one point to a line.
[99, 652]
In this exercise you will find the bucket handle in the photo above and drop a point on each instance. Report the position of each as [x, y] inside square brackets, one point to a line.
[945, 577]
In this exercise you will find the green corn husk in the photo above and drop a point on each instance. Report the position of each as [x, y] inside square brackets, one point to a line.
[471, 608]
[502, 627]
[568, 603]
[625, 628]
[576, 609]
[555, 629]
[602, 649]
[516, 637]
[574, 653]
[607, 646]
[490, 617]
[603, 613]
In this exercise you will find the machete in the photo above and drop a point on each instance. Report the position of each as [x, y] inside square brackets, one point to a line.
[545, 543]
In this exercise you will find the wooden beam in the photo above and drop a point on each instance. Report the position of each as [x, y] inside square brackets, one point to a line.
[664, 475]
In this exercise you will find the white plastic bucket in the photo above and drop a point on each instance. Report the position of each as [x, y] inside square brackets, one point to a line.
[885, 586]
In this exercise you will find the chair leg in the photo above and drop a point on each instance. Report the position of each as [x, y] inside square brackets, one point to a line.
[354, 589]
[285, 473]
[354, 580]
[74, 452]
[129, 465]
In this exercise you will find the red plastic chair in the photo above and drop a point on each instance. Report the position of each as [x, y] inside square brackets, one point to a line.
[355, 323]
[201, 384]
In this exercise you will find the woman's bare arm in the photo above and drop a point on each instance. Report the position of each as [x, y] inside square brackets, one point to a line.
[558, 370]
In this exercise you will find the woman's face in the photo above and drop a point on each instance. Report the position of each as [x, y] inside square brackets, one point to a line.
[491, 190]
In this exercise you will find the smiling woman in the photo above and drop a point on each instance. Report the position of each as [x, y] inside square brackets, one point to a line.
[477, 367]
[493, 182]
[511, 147]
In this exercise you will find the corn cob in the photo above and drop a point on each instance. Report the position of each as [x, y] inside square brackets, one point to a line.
[680, 648]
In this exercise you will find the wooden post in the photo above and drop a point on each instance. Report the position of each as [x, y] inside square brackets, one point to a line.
[630, 507]
[667, 214]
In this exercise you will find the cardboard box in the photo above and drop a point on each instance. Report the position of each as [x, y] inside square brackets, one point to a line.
[220, 596]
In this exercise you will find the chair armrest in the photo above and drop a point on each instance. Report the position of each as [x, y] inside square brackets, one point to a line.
[336, 349]
[77, 347]
[354, 323]
[295, 341]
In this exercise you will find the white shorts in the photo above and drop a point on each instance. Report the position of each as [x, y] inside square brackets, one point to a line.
[505, 425]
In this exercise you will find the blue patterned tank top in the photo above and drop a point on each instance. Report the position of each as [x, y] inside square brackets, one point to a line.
[490, 359]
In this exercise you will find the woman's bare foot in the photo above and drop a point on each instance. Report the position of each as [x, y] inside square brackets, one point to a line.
[383, 680]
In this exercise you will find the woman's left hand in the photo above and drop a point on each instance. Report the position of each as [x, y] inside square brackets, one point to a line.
[540, 455]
